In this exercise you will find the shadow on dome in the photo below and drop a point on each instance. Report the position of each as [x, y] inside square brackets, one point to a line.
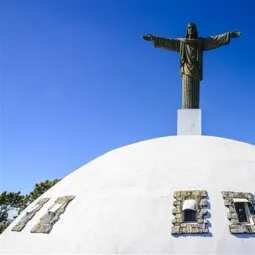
[209, 234]
[242, 236]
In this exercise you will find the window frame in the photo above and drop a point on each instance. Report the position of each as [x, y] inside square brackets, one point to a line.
[235, 226]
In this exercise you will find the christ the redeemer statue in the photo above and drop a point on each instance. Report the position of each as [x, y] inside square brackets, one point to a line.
[191, 58]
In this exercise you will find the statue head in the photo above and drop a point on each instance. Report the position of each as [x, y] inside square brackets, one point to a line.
[192, 31]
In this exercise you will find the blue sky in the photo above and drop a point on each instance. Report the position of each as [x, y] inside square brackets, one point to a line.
[77, 80]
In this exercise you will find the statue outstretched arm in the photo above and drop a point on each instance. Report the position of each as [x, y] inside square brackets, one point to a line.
[214, 42]
[163, 43]
[149, 37]
[235, 34]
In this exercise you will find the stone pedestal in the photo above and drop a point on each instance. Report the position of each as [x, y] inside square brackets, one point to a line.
[189, 122]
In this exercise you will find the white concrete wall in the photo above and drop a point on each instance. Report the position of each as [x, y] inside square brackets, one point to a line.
[189, 122]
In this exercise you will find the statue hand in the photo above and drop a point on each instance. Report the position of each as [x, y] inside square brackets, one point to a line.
[148, 37]
[235, 34]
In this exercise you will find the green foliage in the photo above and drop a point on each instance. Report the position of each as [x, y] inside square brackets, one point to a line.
[15, 201]
[9, 202]
[3, 226]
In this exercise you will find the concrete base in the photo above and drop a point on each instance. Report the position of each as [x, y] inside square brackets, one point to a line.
[189, 122]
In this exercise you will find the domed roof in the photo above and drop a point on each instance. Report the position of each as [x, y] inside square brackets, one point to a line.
[124, 201]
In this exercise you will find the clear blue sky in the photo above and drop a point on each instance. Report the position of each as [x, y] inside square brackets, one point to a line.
[77, 80]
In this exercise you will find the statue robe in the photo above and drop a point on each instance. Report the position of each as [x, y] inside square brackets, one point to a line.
[191, 62]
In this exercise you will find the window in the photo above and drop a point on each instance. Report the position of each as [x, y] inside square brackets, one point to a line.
[244, 210]
[189, 216]
[241, 210]
[189, 211]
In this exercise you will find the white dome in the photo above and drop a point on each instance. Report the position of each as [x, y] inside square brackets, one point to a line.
[124, 200]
